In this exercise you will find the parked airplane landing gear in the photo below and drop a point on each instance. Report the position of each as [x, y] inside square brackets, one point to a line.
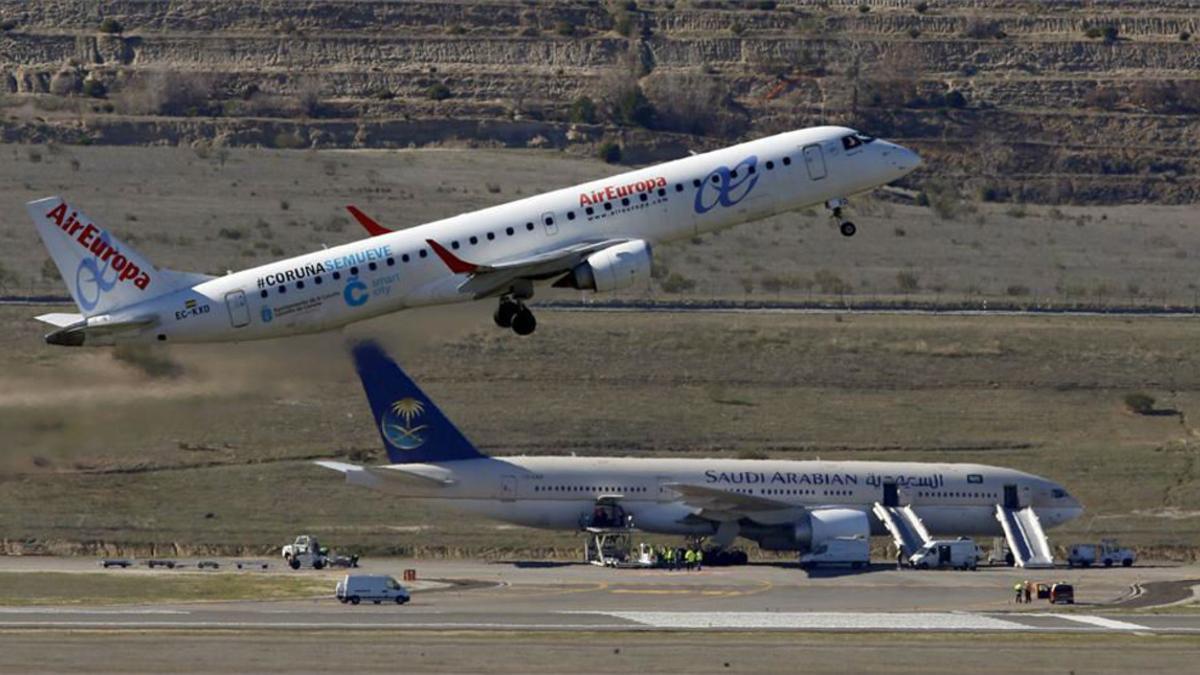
[515, 315]
[846, 227]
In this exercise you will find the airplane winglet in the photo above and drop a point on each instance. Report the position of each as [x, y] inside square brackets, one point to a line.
[373, 228]
[456, 264]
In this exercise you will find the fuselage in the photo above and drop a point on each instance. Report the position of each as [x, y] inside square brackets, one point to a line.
[561, 492]
[394, 271]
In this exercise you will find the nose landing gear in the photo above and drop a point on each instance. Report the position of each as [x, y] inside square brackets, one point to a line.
[846, 227]
[515, 315]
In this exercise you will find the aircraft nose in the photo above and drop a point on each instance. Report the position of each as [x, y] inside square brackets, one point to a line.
[906, 160]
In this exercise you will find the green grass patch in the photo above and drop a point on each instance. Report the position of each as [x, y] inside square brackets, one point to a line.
[125, 587]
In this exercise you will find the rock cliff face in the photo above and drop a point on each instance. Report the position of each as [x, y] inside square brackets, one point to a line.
[1010, 100]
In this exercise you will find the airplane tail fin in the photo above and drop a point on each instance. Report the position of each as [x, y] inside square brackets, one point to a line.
[101, 272]
[412, 427]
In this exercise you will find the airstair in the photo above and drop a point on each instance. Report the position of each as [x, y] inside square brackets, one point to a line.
[1025, 536]
[907, 530]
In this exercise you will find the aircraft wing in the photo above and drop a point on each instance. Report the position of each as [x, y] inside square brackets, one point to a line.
[386, 477]
[724, 501]
[486, 280]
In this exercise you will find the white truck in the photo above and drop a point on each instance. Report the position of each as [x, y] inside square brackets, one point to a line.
[961, 554]
[306, 550]
[355, 588]
[1107, 553]
[852, 551]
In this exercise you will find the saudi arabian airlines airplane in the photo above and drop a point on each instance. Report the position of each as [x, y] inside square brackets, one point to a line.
[781, 505]
[597, 236]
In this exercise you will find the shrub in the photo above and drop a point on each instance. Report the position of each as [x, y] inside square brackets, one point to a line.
[767, 5]
[1017, 290]
[634, 109]
[583, 110]
[8, 24]
[864, 8]
[609, 152]
[1109, 33]
[94, 88]
[1183, 37]
[677, 283]
[955, 99]
[438, 92]
[921, 7]
[914, 33]
[1139, 403]
[565, 28]
[908, 281]
[830, 283]
[111, 26]
[232, 233]
[982, 29]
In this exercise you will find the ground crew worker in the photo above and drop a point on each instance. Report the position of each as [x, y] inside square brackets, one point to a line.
[699, 558]
[899, 558]
[1028, 592]
[670, 558]
[689, 557]
[679, 558]
[1018, 588]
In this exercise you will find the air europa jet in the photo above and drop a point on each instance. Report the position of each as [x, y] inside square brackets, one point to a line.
[782, 505]
[597, 236]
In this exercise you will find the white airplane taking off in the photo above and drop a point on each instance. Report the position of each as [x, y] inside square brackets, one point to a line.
[595, 236]
[782, 505]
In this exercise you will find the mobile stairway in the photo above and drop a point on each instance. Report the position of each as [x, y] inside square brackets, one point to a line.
[1026, 539]
[906, 528]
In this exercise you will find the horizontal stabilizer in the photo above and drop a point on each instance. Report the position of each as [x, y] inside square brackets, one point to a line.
[60, 319]
[384, 477]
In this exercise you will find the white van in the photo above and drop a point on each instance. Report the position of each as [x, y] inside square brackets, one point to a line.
[961, 554]
[358, 587]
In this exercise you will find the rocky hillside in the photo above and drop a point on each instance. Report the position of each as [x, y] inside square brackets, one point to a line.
[1085, 101]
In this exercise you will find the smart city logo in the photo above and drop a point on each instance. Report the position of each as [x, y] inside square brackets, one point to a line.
[726, 187]
[397, 424]
[356, 293]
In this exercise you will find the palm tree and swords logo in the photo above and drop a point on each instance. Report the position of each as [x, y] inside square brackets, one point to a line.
[397, 424]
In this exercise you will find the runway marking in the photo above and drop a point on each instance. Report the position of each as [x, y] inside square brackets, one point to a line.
[76, 610]
[1111, 624]
[944, 621]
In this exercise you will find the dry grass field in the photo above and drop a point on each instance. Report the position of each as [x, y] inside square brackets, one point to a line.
[205, 447]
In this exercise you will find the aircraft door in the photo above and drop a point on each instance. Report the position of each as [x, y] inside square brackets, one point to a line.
[891, 495]
[239, 311]
[550, 223]
[1012, 499]
[508, 488]
[814, 159]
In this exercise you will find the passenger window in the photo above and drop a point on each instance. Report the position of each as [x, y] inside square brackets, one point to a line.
[529, 226]
[454, 245]
[770, 165]
[716, 178]
[679, 187]
[317, 280]
[750, 170]
[354, 271]
[283, 289]
[474, 240]
[491, 236]
[733, 174]
[421, 253]
[509, 230]
[299, 285]
[372, 266]
[570, 215]
[625, 201]
[589, 210]
[337, 275]
[608, 206]
[787, 161]
[391, 262]
[263, 293]
[404, 258]
[548, 221]
[643, 196]
[695, 182]
[662, 192]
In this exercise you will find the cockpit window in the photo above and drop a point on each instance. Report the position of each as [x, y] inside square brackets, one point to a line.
[974, 478]
[855, 140]
[1058, 493]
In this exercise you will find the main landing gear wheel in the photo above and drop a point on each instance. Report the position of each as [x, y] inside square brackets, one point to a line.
[524, 323]
[505, 313]
[848, 229]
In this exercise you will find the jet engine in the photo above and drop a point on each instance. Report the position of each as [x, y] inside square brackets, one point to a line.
[610, 269]
[812, 529]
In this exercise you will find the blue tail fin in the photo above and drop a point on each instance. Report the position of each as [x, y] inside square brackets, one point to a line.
[412, 427]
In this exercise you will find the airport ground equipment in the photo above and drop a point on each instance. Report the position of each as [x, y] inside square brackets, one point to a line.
[1107, 553]
[306, 551]
[1062, 594]
[960, 554]
[123, 563]
[1026, 539]
[355, 588]
[838, 551]
[153, 564]
[1000, 554]
[907, 530]
[208, 565]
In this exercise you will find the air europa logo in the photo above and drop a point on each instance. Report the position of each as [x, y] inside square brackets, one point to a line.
[726, 187]
[97, 242]
[611, 192]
